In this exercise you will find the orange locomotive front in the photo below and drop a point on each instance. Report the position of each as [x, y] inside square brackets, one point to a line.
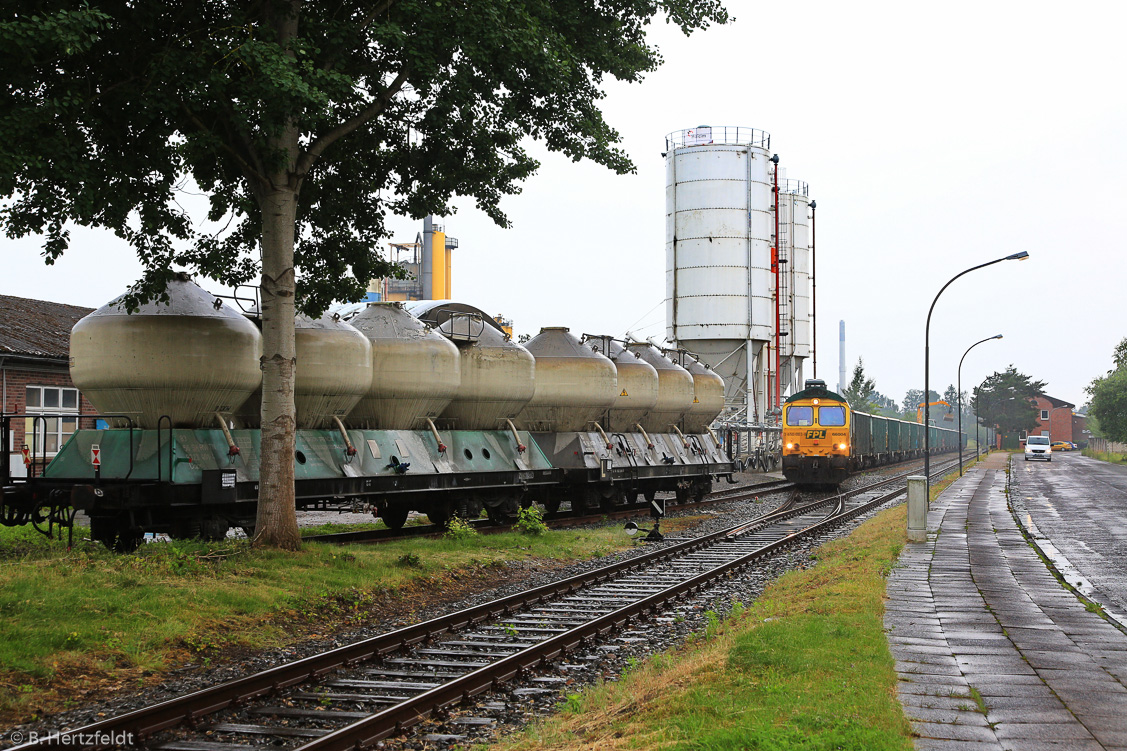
[816, 445]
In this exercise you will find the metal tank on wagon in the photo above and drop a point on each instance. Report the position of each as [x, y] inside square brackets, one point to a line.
[394, 412]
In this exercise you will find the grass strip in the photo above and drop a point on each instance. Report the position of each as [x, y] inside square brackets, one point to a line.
[1105, 456]
[82, 623]
[807, 666]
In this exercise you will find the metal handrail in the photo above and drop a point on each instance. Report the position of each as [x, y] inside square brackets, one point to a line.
[6, 416]
[721, 135]
[796, 187]
[171, 466]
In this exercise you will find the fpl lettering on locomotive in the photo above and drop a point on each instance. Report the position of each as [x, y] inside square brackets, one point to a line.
[430, 409]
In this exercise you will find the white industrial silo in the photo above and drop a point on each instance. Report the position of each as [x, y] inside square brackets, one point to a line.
[720, 229]
[794, 255]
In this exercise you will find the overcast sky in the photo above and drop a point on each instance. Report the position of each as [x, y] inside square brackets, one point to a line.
[934, 138]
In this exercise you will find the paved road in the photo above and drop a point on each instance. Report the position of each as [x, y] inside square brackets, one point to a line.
[1080, 507]
[992, 652]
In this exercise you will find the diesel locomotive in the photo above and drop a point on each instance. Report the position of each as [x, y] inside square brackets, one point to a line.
[426, 407]
[824, 441]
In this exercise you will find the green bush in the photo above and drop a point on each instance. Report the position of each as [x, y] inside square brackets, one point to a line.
[530, 521]
[458, 529]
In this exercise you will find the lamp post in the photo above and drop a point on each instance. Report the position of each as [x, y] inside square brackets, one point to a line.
[959, 401]
[977, 441]
[927, 356]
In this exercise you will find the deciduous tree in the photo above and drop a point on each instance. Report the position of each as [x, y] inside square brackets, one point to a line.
[913, 400]
[1109, 398]
[1005, 399]
[304, 124]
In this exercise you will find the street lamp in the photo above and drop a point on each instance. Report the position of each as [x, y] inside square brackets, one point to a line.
[927, 357]
[959, 400]
[977, 421]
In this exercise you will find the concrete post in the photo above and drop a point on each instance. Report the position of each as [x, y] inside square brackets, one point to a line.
[917, 509]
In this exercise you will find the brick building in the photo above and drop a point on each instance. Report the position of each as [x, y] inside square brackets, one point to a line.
[35, 376]
[1055, 419]
[1080, 432]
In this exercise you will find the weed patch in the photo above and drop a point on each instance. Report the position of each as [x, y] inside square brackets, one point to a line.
[459, 530]
[530, 521]
[1105, 456]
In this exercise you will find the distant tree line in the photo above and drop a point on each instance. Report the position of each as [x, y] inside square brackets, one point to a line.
[1004, 399]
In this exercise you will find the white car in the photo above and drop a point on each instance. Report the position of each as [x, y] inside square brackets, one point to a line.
[1038, 447]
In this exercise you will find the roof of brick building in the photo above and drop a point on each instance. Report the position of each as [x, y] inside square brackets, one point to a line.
[37, 328]
[1056, 402]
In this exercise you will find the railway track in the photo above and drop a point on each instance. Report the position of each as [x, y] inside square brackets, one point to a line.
[353, 696]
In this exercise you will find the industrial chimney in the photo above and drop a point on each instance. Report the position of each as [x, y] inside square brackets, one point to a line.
[841, 360]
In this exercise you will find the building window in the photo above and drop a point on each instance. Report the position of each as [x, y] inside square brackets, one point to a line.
[57, 411]
[1044, 414]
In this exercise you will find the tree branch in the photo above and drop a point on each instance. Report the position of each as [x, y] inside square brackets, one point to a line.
[244, 138]
[375, 12]
[252, 171]
[305, 163]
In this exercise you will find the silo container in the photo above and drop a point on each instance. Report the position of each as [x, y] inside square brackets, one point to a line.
[574, 384]
[708, 393]
[637, 391]
[334, 370]
[415, 370]
[187, 359]
[497, 375]
[675, 389]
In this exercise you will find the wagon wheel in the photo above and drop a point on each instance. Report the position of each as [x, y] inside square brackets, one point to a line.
[439, 512]
[394, 516]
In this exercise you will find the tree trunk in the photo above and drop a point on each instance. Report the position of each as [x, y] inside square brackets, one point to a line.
[277, 516]
[276, 525]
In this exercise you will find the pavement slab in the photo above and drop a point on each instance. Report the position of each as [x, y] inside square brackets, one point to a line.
[976, 611]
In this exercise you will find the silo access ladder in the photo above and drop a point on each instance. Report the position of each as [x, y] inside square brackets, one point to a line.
[782, 253]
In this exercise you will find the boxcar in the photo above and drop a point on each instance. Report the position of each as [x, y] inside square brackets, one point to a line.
[861, 438]
[880, 437]
[894, 433]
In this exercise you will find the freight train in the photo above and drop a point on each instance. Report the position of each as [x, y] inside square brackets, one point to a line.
[430, 408]
[824, 441]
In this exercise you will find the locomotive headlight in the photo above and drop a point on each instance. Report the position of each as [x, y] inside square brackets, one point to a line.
[792, 445]
[842, 447]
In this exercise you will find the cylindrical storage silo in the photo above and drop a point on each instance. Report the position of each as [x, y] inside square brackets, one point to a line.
[675, 389]
[720, 227]
[415, 370]
[498, 375]
[186, 359]
[794, 210]
[708, 393]
[637, 385]
[574, 384]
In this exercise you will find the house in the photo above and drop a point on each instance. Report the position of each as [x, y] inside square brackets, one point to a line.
[1055, 418]
[35, 385]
